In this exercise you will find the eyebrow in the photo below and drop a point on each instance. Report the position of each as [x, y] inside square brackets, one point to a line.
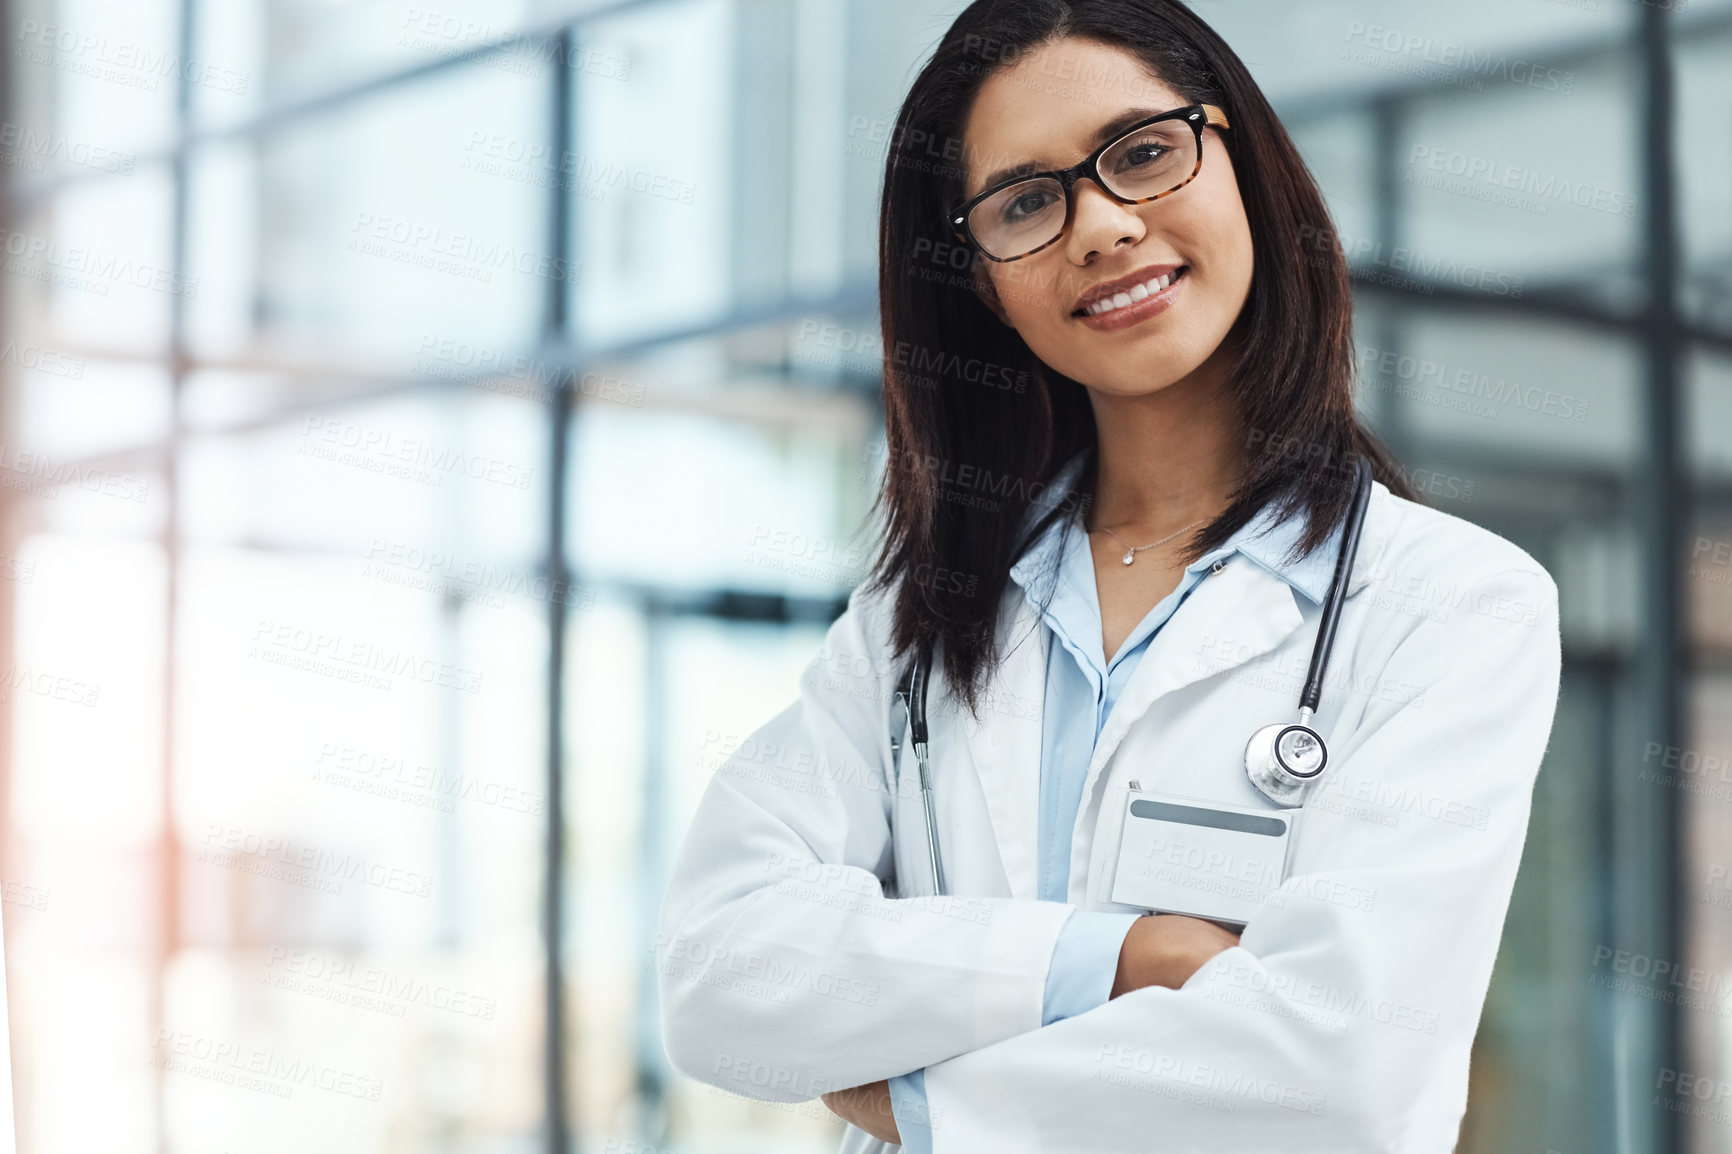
[1104, 133]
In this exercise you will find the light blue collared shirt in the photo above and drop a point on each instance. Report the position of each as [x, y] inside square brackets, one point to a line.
[1082, 686]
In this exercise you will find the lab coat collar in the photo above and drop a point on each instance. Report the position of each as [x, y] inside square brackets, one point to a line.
[1256, 604]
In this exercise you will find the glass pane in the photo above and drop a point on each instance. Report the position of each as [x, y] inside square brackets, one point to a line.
[1553, 393]
[1328, 54]
[104, 258]
[101, 78]
[315, 46]
[1708, 401]
[86, 702]
[1516, 191]
[360, 791]
[1337, 150]
[73, 407]
[1704, 140]
[224, 250]
[1699, 774]
[388, 230]
[232, 82]
[651, 184]
[787, 521]
[658, 703]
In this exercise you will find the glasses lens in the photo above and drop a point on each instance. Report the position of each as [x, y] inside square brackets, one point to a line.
[1152, 160]
[1020, 218]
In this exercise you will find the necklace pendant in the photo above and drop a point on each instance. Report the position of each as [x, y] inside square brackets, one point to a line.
[1130, 556]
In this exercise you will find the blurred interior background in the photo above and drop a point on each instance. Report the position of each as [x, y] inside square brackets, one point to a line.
[432, 435]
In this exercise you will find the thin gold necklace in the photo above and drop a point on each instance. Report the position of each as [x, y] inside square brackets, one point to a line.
[1131, 553]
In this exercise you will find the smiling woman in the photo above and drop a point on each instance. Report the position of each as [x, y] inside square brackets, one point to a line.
[1153, 512]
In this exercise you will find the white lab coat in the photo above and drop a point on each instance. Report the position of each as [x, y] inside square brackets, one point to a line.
[788, 966]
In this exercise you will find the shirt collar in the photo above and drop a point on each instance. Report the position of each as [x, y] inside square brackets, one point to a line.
[1264, 540]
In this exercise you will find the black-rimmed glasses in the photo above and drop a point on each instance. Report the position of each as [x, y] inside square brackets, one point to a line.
[1155, 158]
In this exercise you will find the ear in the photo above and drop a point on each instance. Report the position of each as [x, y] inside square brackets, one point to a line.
[988, 292]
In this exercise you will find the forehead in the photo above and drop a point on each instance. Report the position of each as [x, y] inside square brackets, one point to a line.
[1045, 109]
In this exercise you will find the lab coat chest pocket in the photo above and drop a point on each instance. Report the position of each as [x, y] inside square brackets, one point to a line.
[1190, 745]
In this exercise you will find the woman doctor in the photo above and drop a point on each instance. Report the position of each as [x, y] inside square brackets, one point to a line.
[1121, 455]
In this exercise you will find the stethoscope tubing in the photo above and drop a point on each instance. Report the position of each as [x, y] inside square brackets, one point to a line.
[917, 736]
[1332, 602]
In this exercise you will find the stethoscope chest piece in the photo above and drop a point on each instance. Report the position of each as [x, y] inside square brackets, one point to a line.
[1284, 760]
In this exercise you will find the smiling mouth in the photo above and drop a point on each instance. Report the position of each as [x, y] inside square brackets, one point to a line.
[1131, 296]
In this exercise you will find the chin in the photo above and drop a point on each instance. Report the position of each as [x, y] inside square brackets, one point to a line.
[1141, 386]
[1163, 369]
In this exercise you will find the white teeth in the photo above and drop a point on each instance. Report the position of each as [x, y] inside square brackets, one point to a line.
[1126, 299]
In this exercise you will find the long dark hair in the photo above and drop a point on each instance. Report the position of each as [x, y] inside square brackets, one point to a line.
[977, 426]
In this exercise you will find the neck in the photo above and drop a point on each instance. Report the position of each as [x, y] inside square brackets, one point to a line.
[1167, 458]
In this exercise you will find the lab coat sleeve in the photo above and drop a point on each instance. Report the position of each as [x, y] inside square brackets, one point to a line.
[783, 970]
[1084, 963]
[1343, 1020]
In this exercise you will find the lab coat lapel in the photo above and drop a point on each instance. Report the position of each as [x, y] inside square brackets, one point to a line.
[1005, 743]
[1235, 616]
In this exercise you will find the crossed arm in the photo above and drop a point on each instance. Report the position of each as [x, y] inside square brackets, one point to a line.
[787, 975]
[1160, 950]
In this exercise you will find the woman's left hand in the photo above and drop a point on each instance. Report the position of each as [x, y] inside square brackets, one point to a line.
[867, 1107]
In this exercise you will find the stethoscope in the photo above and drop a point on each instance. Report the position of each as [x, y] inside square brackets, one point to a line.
[1283, 760]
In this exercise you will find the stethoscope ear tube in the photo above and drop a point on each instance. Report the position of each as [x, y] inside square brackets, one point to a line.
[917, 734]
[1313, 692]
[917, 678]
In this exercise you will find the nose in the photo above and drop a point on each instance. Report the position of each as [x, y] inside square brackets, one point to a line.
[1099, 222]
